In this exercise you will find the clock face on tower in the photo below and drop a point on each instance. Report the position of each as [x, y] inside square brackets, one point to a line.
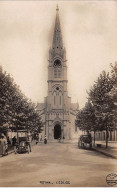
[57, 63]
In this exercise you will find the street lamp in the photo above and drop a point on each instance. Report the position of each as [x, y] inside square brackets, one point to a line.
[45, 123]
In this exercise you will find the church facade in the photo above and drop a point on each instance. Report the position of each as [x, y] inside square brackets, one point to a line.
[57, 111]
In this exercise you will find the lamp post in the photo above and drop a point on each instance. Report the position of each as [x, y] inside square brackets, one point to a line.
[45, 123]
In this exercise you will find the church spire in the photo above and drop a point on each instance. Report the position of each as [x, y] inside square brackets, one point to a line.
[57, 45]
[57, 8]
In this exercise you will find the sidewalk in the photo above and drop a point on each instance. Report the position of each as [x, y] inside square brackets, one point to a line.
[111, 151]
[10, 149]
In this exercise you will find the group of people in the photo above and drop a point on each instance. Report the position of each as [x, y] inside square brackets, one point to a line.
[4, 142]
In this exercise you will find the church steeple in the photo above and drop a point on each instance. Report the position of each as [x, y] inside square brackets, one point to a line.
[57, 45]
[58, 109]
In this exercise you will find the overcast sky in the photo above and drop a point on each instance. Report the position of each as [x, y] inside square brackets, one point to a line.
[89, 32]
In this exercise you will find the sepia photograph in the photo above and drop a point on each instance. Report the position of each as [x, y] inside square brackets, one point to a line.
[58, 93]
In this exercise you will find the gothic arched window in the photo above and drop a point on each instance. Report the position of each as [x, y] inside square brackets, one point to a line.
[60, 100]
[57, 68]
[54, 100]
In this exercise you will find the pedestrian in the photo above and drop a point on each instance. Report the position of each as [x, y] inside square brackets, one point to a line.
[63, 138]
[45, 140]
[59, 140]
[14, 143]
[89, 139]
[3, 144]
[41, 138]
[37, 138]
[8, 140]
[29, 142]
[89, 135]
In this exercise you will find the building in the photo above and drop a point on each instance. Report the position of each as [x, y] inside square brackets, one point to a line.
[57, 111]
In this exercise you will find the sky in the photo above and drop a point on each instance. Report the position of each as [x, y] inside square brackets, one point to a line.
[89, 30]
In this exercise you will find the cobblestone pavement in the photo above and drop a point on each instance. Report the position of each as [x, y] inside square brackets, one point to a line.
[56, 164]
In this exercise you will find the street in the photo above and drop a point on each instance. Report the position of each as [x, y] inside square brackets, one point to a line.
[56, 165]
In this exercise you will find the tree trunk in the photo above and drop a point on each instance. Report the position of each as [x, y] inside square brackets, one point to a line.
[107, 138]
[94, 138]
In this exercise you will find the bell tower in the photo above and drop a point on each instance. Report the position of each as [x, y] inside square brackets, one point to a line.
[57, 69]
[57, 54]
[57, 103]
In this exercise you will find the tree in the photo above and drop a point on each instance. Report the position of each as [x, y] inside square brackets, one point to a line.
[100, 112]
[113, 92]
[103, 102]
[16, 111]
[86, 119]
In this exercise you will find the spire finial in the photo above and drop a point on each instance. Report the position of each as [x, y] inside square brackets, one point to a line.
[57, 8]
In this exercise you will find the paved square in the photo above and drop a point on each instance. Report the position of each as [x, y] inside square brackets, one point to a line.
[56, 165]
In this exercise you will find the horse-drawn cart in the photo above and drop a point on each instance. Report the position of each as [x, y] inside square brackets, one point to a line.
[85, 141]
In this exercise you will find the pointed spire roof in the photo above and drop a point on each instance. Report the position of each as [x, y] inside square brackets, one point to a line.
[57, 37]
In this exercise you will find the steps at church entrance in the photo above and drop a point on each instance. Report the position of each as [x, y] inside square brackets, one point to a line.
[61, 141]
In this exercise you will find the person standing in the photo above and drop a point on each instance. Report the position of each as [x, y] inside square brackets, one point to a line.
[63, 138]
[41, 139]
[45, 140]
[14, 142]
[37, 138]
[89, 135]
[8, 140]
[3, 143]
[29, 142]
[89, 139]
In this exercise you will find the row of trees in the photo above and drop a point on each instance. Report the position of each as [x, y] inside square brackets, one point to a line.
[16, 111]
[100, 111]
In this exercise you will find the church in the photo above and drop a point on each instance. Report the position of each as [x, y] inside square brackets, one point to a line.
[57, 112]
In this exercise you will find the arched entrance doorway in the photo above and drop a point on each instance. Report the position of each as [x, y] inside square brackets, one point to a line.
[57, 131]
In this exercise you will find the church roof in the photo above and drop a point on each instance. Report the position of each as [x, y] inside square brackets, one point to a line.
[75, 106]
[40, 106]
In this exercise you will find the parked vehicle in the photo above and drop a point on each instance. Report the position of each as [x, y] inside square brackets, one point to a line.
[85, 142]
[23, 145]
